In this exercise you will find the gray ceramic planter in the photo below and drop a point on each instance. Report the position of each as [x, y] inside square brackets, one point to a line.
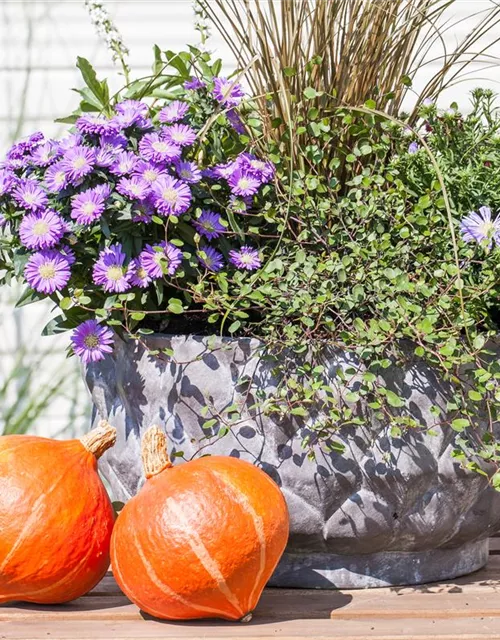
[387, 511]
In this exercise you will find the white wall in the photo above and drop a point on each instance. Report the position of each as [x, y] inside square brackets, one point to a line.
[39, 43]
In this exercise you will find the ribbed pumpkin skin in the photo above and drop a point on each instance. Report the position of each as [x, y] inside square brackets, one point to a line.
[200, 540]
[56, 520]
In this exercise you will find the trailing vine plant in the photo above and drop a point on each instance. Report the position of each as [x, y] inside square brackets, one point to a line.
[374, 254]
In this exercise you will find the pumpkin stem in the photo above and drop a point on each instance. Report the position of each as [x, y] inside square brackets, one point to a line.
[99, 439]
[154, 452]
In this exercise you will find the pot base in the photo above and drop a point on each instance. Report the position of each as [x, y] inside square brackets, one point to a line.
[385, 569]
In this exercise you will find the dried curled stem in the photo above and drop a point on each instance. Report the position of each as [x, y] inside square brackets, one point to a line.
[99, 439]
[154, 452]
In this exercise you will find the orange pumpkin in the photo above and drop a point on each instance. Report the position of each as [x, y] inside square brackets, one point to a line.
[55, 517]
[200, 540]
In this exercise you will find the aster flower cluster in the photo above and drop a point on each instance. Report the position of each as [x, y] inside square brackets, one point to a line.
[98, 210]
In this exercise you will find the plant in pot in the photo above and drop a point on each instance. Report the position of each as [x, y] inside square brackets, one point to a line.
[307, 291]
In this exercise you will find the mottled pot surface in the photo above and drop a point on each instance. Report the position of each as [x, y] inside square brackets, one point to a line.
[382, 495]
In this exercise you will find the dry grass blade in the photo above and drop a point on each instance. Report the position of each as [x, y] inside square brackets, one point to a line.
[349, 51]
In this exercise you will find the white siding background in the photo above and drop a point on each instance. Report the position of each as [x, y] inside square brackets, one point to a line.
[39, 43]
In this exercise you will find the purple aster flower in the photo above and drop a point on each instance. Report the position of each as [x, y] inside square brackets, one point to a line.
[143, 212]
[19, 149]
[47, 271]
[132, 112]
[41, 230]
[97, 125]
[210, 258]
[243, 183]
[413, 148]
[45, 154]
[148, 171]
[124, 163]
[134, 188]
[263, 170]
[173, 112]
[29, 195]
[20, 163]
[73, 140]
[428, 102]
[69, 254]
[87, 207]
[138, 276]
[188, 171]
[209, 172]
[92, 341]
[115, 142]
[154, 147]
[235, 121]
[6, 181]
[228, 92]
[194, 84]
[209, 225]
[479, 227]
[170, 196]
[78, 162]
[56, 177]
[224, 170]
[102, 190]
[180, 134]
[245, 258]
[109, 270]
[105, 157]
[160, 259]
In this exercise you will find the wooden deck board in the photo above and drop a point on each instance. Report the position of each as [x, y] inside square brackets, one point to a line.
[463, 609]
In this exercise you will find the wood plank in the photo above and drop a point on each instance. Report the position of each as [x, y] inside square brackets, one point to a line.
[455, 629]
[281, 605]
[467, 608]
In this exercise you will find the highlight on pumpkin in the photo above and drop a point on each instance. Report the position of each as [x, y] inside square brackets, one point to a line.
[60, 504]
[173, 548]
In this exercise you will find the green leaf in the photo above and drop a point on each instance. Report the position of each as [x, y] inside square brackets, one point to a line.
[98, 89]
[310, 93]
[475, 396]
[393, 399]
[175, 306]
[459, 424]
[234, 326]
[29, 296]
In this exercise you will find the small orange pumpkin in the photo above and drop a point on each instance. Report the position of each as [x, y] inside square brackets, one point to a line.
[200, 540]
[55, 517]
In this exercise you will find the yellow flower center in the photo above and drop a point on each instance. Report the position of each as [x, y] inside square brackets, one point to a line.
[487, 228]
[160, 146]
[30, 198]
[59, 177]
[91, 341]
[170, 195]
[47, 271]
[178, 136]
[243, 183]
[245, 258]
[186, 174]
[78, 163]
[88, 208]
[141, 273]
[150, 175]
[115, 273]
[40, 228]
